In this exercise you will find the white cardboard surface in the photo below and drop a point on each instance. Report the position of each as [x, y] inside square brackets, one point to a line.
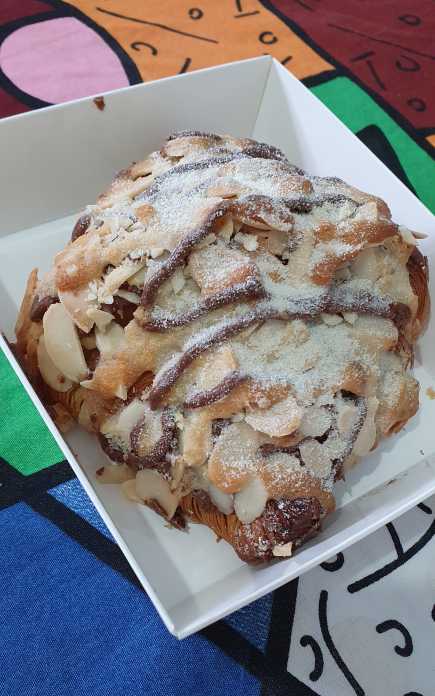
[75, 150]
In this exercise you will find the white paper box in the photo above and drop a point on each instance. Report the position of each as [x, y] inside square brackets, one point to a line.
[56, 160]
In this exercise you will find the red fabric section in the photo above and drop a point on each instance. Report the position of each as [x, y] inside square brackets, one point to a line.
[9, 105]
[388, 44]
[16, 9]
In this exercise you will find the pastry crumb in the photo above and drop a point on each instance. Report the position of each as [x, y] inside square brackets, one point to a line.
[100, 103]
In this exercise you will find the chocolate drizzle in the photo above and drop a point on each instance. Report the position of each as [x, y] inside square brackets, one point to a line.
[268, 449]
[193, 134]
[209, 396]
[166, 379]
[332, 302]
[180, 253]
[251, 289]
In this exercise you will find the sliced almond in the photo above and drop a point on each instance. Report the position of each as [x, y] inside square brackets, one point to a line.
[350, 317]
[249, 503]
[247, 241]
[283, 418]
[316, 458]
[120, 425]
[49, 372]
[63, 344]
[114, 473]
[128, 488]
[233, 458]
[178, 280]
[116, 278]
[110, 340]
[196, 437]
[129, 296]
[78, 306]
[138, 278]
[315, 422]
[151, 486]
[331, 319]
[223, 501]
[99, 317]
[218, 267]
[347, 417]
[283, 550]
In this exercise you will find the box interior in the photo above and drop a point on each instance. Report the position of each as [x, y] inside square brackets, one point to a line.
[62, 158]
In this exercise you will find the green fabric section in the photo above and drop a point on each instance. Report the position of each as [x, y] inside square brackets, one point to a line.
[357, 110]
[25, 442]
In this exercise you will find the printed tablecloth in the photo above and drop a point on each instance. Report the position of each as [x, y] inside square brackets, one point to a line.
[74, 619]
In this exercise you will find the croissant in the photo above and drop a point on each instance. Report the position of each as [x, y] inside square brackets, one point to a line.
[236, 333]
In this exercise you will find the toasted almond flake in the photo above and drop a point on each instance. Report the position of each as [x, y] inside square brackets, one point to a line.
[331, 319]
[99, 317]
[283, 418]
[128, 489]
[283, 550]
[406, 235]
[62, 343]
[129, 296]
[223, 501]
[316, 458]
[248, 241]
[119, 426]
[151, 486]
[114, 473]
[110, 340]
[178, 280]
[367, 435]
[350, 317]
[49, 372]
[249, 503]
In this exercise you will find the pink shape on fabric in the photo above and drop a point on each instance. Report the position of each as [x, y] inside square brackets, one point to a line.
[60, 59]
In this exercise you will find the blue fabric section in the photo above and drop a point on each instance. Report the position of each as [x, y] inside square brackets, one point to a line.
[253, 621]
[73, 495]
[71, 625]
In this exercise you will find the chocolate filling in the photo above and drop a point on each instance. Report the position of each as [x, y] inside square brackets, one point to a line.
[252, 289]
[121, 309]
[40, 306]
[209, 396]
[81, 227]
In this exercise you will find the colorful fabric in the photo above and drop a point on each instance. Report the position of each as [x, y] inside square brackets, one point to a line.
[74, 618]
